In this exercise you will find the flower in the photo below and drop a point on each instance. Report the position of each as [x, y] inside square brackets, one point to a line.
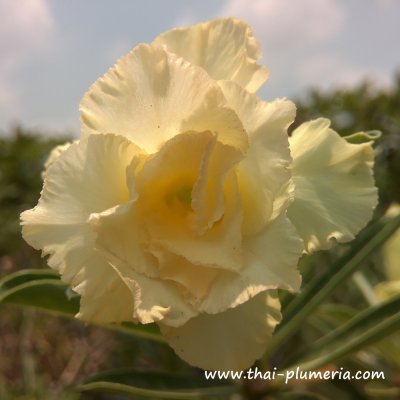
[172, 206]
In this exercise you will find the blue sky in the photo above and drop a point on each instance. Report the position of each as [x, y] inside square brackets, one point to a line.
[51, 51]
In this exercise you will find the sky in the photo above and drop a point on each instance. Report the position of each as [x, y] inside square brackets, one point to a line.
[51, 51]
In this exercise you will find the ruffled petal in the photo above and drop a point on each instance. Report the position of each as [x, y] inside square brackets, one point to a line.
[151, 95]
[264, 175]
[88, 177]
[219, 247]
[54, 154]
[270, 262]
[154, 299]
[231, 340]
[225, 48]
[174, 200]
[120, 239]
[157, 230]
[334, 186]
[98, 283]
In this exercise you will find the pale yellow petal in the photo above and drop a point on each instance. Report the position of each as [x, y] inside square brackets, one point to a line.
[208, 194]
[87, 177]
[54, 154]
[156, 232]
[270, 261]
[225, 48]
[151, 95]
[154, 299]
[334, 186]
[120, 239]
[105, 297]
[171, 197]
[219, 247]
[229, 341]
[264, 175]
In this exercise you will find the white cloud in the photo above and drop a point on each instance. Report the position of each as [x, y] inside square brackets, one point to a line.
[290, 33]
[313, 42]
[331, 71]
[25, 29]
[290, 23]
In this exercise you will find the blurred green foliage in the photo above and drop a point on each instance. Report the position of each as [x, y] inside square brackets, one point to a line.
[22, 155]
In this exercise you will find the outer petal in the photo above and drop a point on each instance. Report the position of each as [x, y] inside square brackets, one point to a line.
[153, 299]
[264, 175]
[270, 262]
[151, 95]
[225, 48]
[54, 154]
[232, 340]
[87, 177]
[334, 186]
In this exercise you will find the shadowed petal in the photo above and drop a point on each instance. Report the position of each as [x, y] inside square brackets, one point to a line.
[264, 175]
[231, 340]
[270, 261]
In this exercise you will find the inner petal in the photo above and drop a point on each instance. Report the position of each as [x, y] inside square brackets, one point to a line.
[188, 200]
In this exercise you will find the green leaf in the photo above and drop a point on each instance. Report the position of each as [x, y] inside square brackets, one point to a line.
[322, 286]
[330, 316]
[44, 290]
[46, 294]
[158, 385]
[366, 328]
[26, 275]
[363, 137]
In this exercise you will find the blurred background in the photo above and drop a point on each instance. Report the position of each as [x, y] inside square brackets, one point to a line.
[335, 58]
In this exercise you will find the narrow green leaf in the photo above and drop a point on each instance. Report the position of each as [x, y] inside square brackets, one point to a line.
[368, 337]
[352, 330]
[46, 294]
[26, 275]
[42, 289]
[359, 324]
[158, 385]
[319, 288]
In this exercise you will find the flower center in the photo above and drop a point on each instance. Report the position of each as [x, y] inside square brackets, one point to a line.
[179, 198]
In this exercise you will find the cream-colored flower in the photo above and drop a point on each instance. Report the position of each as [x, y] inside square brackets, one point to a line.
[334, 186]
[172, 206]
